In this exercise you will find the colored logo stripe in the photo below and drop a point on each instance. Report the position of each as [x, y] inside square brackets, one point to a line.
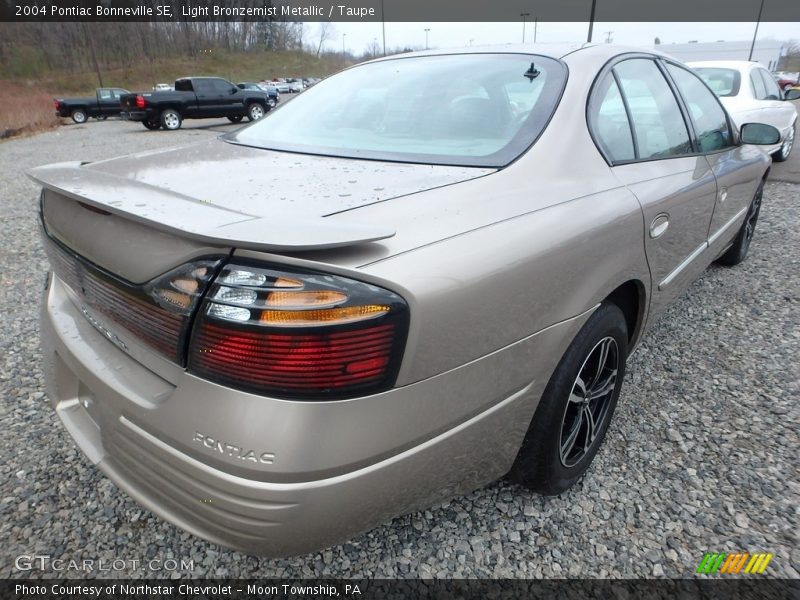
[733, 563]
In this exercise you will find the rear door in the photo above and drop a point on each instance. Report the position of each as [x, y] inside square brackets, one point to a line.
[109, 101]
[774, 110]
[637, 122]
[737, 168]
[208, 99]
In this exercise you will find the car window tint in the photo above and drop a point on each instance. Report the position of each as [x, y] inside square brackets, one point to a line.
[185, 85]
[220, 86]
[708, 116]
[723, 82]
[609, 121]
[773, 92]
[759, 90]
[657, 120]
[472, 109]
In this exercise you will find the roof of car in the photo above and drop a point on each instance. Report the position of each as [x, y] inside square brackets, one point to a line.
[728, 64]
[556, 50]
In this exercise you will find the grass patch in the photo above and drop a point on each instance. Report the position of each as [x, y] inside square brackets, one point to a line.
[25, 109]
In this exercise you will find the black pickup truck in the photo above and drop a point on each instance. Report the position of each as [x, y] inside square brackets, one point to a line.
[194, 98]
[105, 104]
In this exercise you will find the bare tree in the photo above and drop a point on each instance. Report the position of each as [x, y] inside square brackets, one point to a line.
[326, 32]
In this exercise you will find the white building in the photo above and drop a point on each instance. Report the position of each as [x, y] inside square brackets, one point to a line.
[766, 52]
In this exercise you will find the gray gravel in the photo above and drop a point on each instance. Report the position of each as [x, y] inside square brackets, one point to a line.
[702, 454]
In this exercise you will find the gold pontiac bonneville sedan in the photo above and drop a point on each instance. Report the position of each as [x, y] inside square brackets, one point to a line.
[465, 247]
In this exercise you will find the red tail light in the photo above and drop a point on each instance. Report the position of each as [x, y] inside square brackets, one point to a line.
[141, 102]
[57, 104]
[293, 334]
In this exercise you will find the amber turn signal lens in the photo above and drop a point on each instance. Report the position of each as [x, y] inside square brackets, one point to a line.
[318, 298]
[329, 316]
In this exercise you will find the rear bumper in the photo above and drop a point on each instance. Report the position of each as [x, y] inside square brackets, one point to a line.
[134, 115]
[119, 414]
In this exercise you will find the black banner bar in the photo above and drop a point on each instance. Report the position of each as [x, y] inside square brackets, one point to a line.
[739, 588]
[398, 10]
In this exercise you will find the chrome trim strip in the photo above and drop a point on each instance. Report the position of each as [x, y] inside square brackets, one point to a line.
[685, 263]
[724, 228]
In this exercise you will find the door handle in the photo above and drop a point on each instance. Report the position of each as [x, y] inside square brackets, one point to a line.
[659, 225]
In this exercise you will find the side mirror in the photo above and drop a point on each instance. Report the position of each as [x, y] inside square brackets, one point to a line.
[234, 89]
[792, 94]
[760, 133]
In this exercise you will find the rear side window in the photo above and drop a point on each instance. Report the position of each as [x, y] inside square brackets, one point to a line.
[658, 125]
[773, 91]
[759, 90]
[723, 82]
[708, 117]
[609, 121]
[183, 85]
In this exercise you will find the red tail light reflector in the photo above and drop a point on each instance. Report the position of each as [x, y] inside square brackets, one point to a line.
[141, 102]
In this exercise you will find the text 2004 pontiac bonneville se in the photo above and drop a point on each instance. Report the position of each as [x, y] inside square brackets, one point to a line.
[464, 249]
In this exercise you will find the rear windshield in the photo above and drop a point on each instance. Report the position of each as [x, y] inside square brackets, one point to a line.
[466, 109]
[723, 82]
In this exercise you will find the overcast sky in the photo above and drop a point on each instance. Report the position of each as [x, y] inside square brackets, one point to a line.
[357, 36]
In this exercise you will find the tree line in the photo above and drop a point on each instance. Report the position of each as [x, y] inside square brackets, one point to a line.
[30, 49]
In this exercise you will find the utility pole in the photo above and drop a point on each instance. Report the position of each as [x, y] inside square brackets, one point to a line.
[344, 52]
[608, 36]
[427, 30]
[524, 17]
[88, 32]
[535, 28]
[591, 22]
[755, 35]
[383, 27]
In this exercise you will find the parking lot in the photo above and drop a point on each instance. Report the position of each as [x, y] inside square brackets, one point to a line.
[701, 456]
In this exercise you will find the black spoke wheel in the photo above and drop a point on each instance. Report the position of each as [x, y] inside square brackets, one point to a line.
[587, 409]
[577, 405]
[741, 243]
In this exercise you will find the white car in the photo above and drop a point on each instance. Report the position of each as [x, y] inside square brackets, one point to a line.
[751, 95]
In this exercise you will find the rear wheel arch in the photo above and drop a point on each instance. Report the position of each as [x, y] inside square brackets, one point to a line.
[631, 298]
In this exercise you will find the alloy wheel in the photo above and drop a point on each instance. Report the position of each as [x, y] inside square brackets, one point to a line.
[589, 401]
[752, 217]
[256, 112]
[171, 121]
[788, 143]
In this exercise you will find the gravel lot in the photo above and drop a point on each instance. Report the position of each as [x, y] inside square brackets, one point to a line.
[702, 454]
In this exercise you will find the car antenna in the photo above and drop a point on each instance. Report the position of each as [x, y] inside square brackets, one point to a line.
[532, 73]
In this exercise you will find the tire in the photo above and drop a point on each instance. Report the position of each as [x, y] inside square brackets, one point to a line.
[102, 117]
[272, 103]
[236, 119]
[559, 445]
[171, 119]
[786, 147]
[79, 116]
[255, 111]
[741, 243]
[151, 125]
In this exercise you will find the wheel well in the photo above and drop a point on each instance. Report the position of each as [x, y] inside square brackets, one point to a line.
[630, 298]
